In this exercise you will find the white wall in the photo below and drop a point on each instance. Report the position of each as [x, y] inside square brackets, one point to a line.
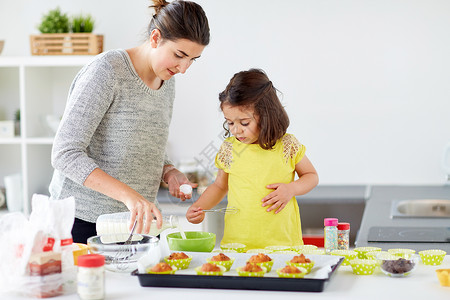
[366, 83]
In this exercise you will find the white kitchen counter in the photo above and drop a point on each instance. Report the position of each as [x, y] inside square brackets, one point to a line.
[422, 284]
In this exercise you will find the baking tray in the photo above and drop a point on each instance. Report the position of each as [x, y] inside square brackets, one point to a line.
[231, 280]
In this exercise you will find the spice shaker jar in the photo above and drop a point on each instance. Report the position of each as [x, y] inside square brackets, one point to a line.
[343, 236]
[91, 277]
[330, 234]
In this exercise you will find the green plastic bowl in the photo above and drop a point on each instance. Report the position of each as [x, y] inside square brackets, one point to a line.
[196, 241]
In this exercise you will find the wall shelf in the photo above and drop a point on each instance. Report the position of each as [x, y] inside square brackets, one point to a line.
[38, 86]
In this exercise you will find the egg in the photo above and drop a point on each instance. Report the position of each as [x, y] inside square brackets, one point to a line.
[186, 189]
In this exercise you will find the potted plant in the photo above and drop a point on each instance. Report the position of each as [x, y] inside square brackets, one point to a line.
[68, 36]
[54, 22]
[82, 23]
[17, 122]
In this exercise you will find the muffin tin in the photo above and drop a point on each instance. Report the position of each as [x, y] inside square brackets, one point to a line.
[323, 270]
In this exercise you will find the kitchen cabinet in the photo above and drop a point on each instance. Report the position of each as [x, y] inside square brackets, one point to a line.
[37, 86]
[344, 202]
[380, 229]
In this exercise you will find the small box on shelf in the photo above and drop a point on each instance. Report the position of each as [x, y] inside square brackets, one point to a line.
[66, 44]
[6, 129]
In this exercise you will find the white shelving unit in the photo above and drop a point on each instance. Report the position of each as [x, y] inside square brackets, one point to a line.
[38, 86]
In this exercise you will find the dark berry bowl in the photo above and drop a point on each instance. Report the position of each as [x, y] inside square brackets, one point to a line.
[395, 266]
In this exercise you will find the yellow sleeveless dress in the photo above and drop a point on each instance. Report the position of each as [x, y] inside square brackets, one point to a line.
[250, 169]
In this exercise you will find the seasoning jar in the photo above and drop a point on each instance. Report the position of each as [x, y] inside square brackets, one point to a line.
[330, 234]
[343, 235]
[91, 277]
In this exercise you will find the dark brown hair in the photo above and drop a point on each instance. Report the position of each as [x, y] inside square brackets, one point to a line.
[253, 89]
[180, 20]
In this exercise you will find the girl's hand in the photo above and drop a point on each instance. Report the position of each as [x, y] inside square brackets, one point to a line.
[195, 215]
[175, 179]
[279, 198]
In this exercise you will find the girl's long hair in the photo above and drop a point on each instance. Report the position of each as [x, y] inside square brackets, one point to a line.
[253, 89]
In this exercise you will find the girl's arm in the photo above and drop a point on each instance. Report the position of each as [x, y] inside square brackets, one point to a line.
[210, 198]
[283, 193]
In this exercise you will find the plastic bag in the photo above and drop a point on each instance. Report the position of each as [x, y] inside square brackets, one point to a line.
[36, 253]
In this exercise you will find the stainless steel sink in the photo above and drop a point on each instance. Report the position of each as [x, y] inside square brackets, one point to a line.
[421, 208]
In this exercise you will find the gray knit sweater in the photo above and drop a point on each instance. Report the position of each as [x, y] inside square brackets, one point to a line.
[115, 122]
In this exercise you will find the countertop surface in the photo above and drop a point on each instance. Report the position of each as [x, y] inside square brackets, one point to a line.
[377, 213]
[422, 284]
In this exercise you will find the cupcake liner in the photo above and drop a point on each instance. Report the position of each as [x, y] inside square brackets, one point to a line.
[299, 249]
[166, 272]
[218, 273]
[347, 254]
[400, 252]
[179, 263]
[286, 252]
[251, 274]
[363, 250]
[278, 248]
[225, 263]
[238, 247]
[306, 266]
[384, 255]
[313, 251]
[443, 276]
[292, 275]
[432, 257]
[267, 264]
[374, 254]
[265, 251]
[224, 251]
[363, 266]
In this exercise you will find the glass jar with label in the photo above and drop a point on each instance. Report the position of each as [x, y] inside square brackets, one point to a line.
[330, 234]
[91, 277]
[343, 236]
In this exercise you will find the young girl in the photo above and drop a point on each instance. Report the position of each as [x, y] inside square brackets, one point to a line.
[257, 166]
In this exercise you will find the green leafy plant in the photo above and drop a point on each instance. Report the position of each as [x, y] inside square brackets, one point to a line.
[82, 23]
[54, 22]
[17, 115]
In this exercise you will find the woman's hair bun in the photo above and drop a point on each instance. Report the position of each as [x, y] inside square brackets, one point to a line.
[158, 5]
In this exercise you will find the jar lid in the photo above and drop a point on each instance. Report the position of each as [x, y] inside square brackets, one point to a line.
[91, 260]
[330, 222]
[343, 226]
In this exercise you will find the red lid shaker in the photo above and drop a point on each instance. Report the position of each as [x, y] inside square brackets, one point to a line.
[91, 260]
[343, 226]
[343, 236]
[91, 277]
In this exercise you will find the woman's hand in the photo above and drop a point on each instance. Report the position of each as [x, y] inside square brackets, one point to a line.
[139, 207]
[175, 179]
[279, 198]
[195, 215]
[142, 210]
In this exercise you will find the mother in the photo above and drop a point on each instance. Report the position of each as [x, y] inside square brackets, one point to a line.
[109, 151]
